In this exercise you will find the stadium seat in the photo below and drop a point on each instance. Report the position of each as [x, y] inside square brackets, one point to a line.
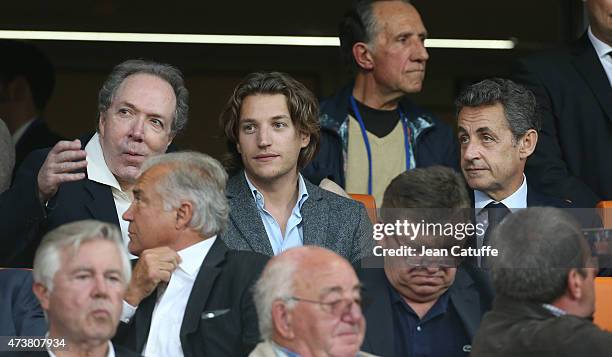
[603, 303]
[605, 211]
[369, 203]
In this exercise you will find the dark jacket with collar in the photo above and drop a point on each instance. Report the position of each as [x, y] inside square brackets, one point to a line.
[469, 299]
[24, 220]
[433, 141]
[572, 158]
[222, 287]
[21, 314]
[328, 220]
[525, 329]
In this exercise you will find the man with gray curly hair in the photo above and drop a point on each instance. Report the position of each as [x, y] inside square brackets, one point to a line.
[142, 106]
[308, 303]
[189, 294]
[81, 271]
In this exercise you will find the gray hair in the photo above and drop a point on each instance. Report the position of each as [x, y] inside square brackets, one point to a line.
[537, 249]
[518, 102]
[276, 283]
[48, 257]
[166, 72]
[358, 25]
[198, 178]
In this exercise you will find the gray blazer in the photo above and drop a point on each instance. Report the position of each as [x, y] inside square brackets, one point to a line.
[328, 220]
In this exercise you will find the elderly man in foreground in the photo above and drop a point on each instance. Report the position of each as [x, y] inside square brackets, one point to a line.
[308, 303]
[81, 271]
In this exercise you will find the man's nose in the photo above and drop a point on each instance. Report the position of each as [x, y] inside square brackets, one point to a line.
[263, 137]
[137, 129]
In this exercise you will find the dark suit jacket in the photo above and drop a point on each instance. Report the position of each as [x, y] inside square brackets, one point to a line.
[37, 136]
[223, 285]
[572, 158]
[469, 299]
[119, 352]
[20, 312]
[24, 220]
[524, 329]
[328, 220]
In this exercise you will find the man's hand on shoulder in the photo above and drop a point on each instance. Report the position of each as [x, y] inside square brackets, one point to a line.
[59, 166]
[154, 266]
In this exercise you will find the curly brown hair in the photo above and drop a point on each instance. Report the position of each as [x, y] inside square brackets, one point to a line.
[302, 104]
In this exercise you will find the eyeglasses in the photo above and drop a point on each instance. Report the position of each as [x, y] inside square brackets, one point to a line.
[335, 307]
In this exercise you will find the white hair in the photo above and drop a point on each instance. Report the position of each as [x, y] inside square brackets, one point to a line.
[48, 257]
[276, 283]
[198, 178]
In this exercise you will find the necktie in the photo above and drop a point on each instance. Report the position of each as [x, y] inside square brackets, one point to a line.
[496, 212]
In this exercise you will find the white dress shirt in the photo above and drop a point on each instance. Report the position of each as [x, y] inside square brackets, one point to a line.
[604, 53]
[167, 318]
[98, 171]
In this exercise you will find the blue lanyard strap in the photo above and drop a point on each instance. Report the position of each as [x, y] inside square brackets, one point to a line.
[407, 147]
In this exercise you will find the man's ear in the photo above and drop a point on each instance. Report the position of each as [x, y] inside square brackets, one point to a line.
[574, 284]
[282, 320]
[527, 144]
[184, 214]
[42, 294]
[363, 56]
[101, 123]
[305, 139]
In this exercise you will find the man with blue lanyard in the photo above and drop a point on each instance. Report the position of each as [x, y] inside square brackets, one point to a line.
[370, 132]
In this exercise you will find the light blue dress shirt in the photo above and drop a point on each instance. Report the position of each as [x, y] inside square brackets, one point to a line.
[294, 236]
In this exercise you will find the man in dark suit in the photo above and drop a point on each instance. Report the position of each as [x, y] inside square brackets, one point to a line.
[81, 272]
[272, 127]
[544, 280]
[142, 106]
[573, 88]
[189, 295]
[423, 305]
[20, 311]
[371, 131]
[27, 79]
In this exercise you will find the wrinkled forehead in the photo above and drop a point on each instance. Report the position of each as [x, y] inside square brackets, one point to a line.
[92, 255]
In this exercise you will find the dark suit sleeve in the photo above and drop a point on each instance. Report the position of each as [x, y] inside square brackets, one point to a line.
[546, 168]
[250, 329]
[28, 315]
[362, 237]
[21, 213]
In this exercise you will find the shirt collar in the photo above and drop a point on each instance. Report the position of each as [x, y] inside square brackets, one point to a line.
[602, 48]
[259, 199]
[514, 202]
[22, 129]
[110, 353]
[97, 170]
[193, 256]
[554, 310]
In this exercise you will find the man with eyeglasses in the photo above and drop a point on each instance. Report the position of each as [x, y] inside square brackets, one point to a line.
[308, 302]
[423, 305]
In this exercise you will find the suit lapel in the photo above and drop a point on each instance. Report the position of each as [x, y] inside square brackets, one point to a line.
[315, 213]
[466, 302]
[143, 318]
[381, 338]
[245, 215]
[203, 285]
[101, 206]
[588, 65]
